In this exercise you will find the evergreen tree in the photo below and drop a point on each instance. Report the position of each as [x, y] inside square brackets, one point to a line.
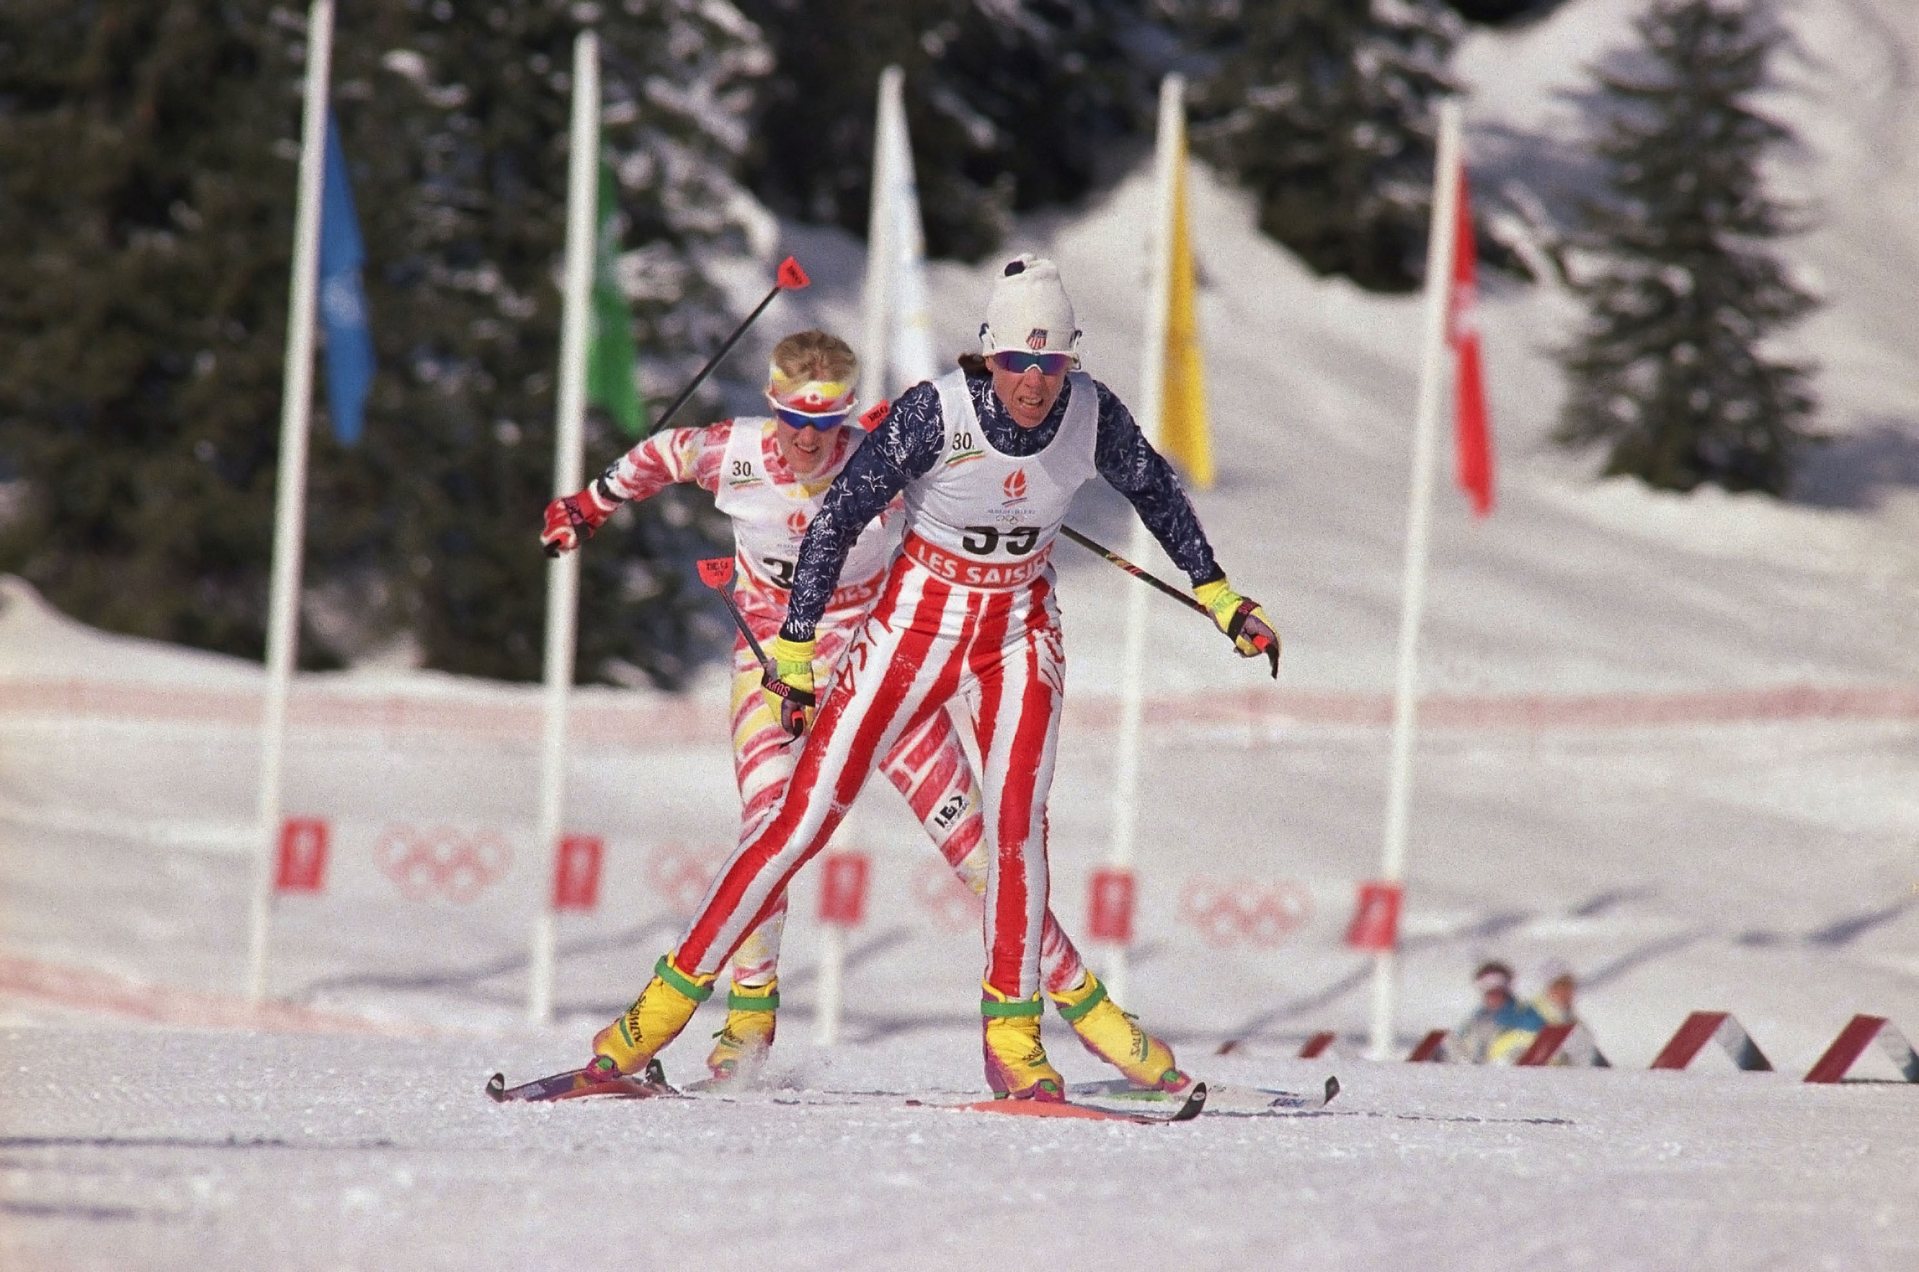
[142, 305]
[465, 117]
[1500, 12]
[149, 153]
[1010, 107]
[1671, 371]
[1324, 110]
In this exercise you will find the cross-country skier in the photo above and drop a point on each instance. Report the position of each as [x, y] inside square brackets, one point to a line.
[988, 459]
[768, 475]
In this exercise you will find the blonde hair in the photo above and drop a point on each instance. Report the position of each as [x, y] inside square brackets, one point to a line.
[815, 355]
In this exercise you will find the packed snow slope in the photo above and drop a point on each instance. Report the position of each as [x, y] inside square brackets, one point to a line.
[1672, 740]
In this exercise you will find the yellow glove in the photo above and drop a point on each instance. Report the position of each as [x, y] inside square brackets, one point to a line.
[788, 683]
[1243, 620]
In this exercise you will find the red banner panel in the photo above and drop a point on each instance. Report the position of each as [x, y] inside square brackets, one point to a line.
[843, 889]
[302, 860]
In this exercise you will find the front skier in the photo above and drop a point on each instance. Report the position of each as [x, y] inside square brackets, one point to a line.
[988, 458]
[768, 475]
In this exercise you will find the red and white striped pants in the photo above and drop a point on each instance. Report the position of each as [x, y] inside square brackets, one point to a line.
[927, 643]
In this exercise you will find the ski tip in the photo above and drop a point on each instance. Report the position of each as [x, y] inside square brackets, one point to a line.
[496, 1088]
[1332, 1087]
[1195, 1104]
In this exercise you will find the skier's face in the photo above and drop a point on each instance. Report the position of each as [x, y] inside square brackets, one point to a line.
[1027, 395]
[803, 449]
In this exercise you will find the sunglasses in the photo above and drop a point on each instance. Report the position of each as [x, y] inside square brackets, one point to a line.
[799, 419]
[1019, 361]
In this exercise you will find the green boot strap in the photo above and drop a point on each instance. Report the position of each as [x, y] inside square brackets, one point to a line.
[680, 981]
[751, 1000]
[994, 1008]
[1078, 1010]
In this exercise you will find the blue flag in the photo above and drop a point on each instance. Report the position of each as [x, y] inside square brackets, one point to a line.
[342, 302]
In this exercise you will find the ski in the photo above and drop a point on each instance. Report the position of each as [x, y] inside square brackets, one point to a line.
[1235, 1101]
[1183, 1106]
[1308, 1101]
[1192, 1102]
[572, 1083]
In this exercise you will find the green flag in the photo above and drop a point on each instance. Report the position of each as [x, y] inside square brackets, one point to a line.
[610, 370]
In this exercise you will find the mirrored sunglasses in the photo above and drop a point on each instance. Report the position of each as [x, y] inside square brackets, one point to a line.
[1019, 361]
[822, 422]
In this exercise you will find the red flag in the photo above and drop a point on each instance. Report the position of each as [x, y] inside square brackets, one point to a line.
[1474, 438]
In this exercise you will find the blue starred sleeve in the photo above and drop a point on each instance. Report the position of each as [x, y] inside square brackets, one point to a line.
[1131, 466]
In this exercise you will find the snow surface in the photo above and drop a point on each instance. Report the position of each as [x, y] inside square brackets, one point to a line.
[1679, 749]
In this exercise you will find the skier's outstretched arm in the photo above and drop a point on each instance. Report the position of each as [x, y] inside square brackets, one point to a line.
[664, 459]
[1131, 466]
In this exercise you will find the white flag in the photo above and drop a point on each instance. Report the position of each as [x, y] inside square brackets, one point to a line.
[899, 330]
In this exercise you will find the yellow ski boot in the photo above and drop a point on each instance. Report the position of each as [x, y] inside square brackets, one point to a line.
[747, 1035]
[1112, 1035]
[655, 1018]
[1016, 1063]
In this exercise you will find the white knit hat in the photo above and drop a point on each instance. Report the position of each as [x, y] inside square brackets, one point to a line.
[1493, 975]
[1029, 310]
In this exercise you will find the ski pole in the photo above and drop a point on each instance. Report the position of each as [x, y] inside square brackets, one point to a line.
[790, 278]
[1084, 542]
[1189, 602]
[716, 573]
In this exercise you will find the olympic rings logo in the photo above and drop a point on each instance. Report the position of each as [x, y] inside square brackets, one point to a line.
[1235, 911]
[444, 863]
[682, 874]
[945, 896]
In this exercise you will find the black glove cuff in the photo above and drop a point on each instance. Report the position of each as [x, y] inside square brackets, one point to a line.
[1237, 623]
[791, 694]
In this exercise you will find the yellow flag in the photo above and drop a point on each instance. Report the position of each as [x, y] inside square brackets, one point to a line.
[1183, 433]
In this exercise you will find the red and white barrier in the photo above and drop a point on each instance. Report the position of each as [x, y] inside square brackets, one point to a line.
[1570, 1044]
[1703, 1027]
[1430, 1049]
[1320, 1044]
[1852, 1041]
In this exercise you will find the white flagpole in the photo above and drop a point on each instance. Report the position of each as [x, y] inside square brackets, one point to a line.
[563, 573]
[912, 351]
[1150, 417]
[881, 249]
[289, 523]
[832, 992]
[1418, 521]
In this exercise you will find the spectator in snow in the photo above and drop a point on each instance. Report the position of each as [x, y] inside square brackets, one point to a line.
[1554, 1002]
[1502, 1028]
